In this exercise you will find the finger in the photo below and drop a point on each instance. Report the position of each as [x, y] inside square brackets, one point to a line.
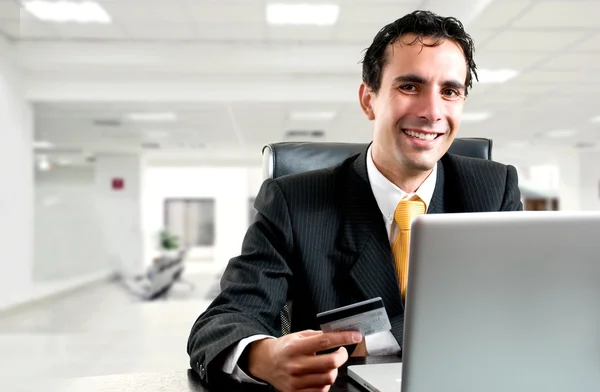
[308, 333]
[317, 381]
[329, 340]
[316, 364]
[323, 389]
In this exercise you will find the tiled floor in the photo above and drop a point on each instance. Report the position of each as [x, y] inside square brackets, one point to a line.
[100, 330]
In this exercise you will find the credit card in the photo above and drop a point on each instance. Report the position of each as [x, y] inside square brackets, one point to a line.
[368, 317]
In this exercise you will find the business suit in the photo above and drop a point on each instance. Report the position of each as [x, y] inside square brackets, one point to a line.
[319, 240]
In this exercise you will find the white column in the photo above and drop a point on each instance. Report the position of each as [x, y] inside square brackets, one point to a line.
[16, 176]
[590, 180]
[118, 182]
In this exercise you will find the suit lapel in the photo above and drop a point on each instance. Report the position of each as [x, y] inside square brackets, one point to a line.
[438, 205]
[363, 239]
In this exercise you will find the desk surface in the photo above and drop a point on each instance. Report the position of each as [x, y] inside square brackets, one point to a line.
[186, 381]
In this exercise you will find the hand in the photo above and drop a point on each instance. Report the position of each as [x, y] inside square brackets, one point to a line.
[291, 363]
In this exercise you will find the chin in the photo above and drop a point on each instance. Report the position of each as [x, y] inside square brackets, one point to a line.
[419, 163]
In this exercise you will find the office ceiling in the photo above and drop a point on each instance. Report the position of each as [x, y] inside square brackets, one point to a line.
[234, 80]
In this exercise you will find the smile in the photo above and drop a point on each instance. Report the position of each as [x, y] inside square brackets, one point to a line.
[421, 135]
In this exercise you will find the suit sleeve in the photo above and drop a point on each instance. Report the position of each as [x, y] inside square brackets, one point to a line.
[512, 194]
[253, 287]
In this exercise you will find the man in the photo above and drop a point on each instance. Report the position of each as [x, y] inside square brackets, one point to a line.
[327, 238]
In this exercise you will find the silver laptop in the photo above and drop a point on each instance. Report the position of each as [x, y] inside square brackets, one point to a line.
[499, 302]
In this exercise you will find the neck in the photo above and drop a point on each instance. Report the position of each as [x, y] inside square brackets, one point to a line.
[407, 180]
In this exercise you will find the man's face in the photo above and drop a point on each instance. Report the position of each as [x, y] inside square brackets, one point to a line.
[418, 108]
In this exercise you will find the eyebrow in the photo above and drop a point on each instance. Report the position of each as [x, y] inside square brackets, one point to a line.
[412, 78]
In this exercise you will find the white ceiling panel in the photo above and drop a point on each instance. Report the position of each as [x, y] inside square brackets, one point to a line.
[480, 36]
[160, 31]
[554, 77]
[574, 61]
[30, 28]
[89, 31]
[377, 14]
[155, 11]
[465, 11]
[571, 13]
[9, 10]
[590, 43]
[300, 34]
[213, 13]
[514, 60]
[521, 89]
[224, 32]
[359, 33]
[530, 41]
[9, 29]
[565, 103]
[499, 13]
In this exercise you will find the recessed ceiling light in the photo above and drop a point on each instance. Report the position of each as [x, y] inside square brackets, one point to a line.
[475, 117]
[153, 117]
[42, 144]
[595, 120]
[561, 133]
[312, 116]
[495, 76]
[67, 11]
[302, 14]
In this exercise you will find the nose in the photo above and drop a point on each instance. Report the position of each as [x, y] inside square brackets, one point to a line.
[430, 106]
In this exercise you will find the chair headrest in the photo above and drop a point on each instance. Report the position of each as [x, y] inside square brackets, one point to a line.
[284, 158]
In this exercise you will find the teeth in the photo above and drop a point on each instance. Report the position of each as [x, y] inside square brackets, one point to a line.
[422, 136]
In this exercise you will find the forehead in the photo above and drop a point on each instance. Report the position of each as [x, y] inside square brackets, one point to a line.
[414, 54]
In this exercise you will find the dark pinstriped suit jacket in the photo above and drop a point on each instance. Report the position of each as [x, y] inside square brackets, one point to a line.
[319, 240]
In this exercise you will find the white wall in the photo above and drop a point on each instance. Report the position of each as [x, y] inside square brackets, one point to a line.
[567, 160]
[16, 176]
[68, 237]
[590, 181]
[231, 187]
[120, 211]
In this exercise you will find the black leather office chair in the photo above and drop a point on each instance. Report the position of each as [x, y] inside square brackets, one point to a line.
[284, 158]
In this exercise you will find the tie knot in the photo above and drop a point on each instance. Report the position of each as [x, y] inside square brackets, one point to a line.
[406, 211]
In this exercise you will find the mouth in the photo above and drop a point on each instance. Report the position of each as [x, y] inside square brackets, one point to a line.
[421, 135]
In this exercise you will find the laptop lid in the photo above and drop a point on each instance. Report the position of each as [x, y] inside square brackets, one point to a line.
[502, 302]
[380, 377]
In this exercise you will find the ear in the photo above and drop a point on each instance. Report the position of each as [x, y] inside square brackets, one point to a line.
[365, 97]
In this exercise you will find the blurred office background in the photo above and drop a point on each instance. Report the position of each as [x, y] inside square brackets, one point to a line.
[131, 138]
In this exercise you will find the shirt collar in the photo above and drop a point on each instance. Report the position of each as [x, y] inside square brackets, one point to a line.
[389, 195]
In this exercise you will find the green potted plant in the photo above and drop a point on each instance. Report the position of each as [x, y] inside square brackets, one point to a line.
[169, 244]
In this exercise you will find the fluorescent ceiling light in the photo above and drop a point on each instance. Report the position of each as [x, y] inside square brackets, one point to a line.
[67, 11]
[561, 133]
[302, 14]
[153, 117]
[312, 116]
[475, 117]
[42, 144]
[495, 76]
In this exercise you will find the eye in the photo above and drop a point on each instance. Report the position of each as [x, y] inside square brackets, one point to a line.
[451, 93]
[408, 88]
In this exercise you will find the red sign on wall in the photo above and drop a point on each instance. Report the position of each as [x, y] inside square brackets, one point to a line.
[118, 184]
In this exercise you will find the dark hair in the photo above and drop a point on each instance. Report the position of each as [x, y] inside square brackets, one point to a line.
[423, 24]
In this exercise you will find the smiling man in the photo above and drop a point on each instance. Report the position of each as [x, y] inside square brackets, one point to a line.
[333, 237]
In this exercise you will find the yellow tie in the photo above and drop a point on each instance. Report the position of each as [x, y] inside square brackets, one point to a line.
[405, 212]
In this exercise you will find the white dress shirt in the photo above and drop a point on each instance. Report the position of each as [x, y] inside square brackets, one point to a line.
[387, 196]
